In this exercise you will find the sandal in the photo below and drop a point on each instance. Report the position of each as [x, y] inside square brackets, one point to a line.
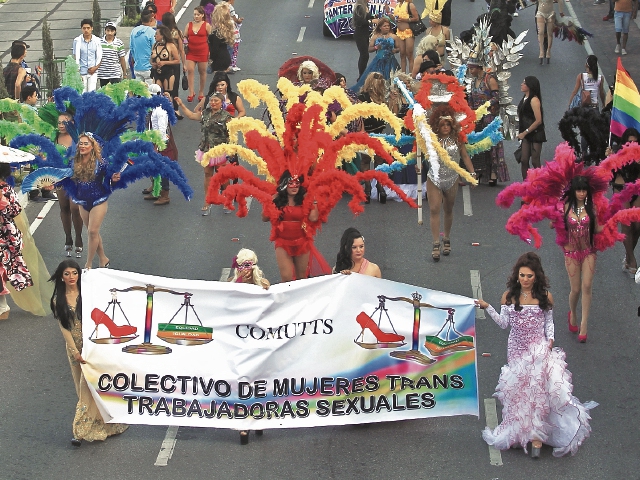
[435, 253]
[67, 249]
[191, 97]
[78, 252]
[446, 246]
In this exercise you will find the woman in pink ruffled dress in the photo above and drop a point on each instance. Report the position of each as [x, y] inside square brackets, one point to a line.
[535, 385]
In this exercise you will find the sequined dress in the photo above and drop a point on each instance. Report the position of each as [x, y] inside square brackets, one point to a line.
[579, 245]
[440, 175]
[535, 387]
[87, 423]
[384, 62]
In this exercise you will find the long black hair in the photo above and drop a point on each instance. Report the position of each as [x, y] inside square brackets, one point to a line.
[580, 183]
[540, 289]
[58, 304]
[282, 200]
[592, 65]
[533, 84]
[343, 260]
[217, 78]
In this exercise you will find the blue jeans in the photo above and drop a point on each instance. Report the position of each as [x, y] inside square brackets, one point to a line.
[622, 20]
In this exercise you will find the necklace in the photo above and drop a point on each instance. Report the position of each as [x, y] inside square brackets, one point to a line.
[578, 211]
[525, 295]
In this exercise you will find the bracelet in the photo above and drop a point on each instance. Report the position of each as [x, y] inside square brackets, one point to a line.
[474, 174]
[527, 130]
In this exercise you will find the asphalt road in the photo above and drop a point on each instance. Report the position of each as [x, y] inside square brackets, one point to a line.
[37, 397]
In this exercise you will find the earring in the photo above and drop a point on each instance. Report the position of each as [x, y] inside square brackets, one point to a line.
[585, 201]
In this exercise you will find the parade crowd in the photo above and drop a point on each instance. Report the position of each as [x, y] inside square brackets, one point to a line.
[585, 192]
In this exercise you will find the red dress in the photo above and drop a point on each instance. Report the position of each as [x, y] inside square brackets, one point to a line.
[163, 7]
[288, 232]
[198, 47]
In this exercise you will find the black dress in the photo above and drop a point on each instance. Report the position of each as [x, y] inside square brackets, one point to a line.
[526, 119]
[218, 53]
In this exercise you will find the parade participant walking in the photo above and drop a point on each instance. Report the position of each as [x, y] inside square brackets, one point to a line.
[232, 101]
[535, 385]
[361, 17]
[169, 21]
[531, 124]
[439, 35]
[293, 247]
[92, 192]
[164, 59]
[196, 34]
[405, 12]
[385, 44]
[141, 43]
[66, 306]
[214, 131]
[113, 66]
[13, 268]
[623, 10]
[490, 165]
[233, 51]
[442, 182]
[545, 21]
[351, 259]
[221, 39]
[87, 50]
[69, 211]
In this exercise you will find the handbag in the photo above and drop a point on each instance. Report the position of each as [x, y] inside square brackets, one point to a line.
[417, 28]
[185, 82]
[518, 153]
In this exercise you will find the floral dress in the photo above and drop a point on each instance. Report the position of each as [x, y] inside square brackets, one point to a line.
[535, 387]
[15, 268]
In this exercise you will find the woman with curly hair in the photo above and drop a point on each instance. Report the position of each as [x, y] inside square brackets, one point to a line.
[222, 36]
[442, 181]
[535, 385]
[580, 223]
[351, 259]
[385, 44]
[293, 247]
[92, 190]
[66, 306]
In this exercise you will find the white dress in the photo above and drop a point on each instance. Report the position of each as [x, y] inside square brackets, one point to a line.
[535, 387]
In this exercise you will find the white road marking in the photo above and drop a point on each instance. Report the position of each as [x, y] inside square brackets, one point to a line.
[311, 3]
[43, 213]
[491, 415]
[225, 274]
[249, 200]
[168, 444]
[466, 201]
[183, 9]
[301, 34]
[476, 292]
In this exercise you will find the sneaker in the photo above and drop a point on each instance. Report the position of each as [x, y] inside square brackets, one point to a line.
[515, 14]
[227, 210]
[617, 50]
[235, 69]
[624, 52]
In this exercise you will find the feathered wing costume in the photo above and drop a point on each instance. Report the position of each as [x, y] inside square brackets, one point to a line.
[594, 129]
[97, 114]
[544, 187]
[305, 146]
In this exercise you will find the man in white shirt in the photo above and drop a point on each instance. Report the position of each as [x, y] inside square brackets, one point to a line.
[87, 51]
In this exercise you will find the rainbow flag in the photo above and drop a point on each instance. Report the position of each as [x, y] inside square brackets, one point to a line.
[626, 103]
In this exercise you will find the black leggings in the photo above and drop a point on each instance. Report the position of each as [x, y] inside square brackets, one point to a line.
[530, 150]
[362, 42]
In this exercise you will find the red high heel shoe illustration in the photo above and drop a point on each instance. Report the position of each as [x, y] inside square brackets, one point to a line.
[572, 328]
[118, 333]
[383, 339]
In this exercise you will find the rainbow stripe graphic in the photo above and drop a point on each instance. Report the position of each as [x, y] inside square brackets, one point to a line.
[626, 103]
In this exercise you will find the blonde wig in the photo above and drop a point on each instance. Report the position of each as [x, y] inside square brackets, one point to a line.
[308, 65]
[223, 24]
[375, 86]
[246, 255]
[86, 172]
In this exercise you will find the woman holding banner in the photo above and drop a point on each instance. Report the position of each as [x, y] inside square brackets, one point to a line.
[535, 385]
[66, 305]
[351, 256]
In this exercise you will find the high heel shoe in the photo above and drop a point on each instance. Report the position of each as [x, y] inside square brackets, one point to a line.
[541, 60]
[536, 445]
[366, 321]
[548, 60]
[244, 437]
[382, 196]
[572, 328]
[582, 338]
[78, 252]
[191, 97]
[68, 249]
[118, 331]
[200, 97]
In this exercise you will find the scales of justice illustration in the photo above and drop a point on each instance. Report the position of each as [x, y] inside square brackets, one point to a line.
[188, 334]
[446, 341]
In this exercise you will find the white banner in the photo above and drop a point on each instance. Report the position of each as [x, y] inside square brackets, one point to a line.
[340, 349]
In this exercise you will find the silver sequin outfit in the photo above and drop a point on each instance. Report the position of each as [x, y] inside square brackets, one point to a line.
[442, 176]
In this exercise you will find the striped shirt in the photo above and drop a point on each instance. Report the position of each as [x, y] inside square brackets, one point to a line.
[111, 53]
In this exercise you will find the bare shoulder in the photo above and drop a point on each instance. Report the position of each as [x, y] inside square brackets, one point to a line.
[373, 270]
[550, 297]
[503, 300]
